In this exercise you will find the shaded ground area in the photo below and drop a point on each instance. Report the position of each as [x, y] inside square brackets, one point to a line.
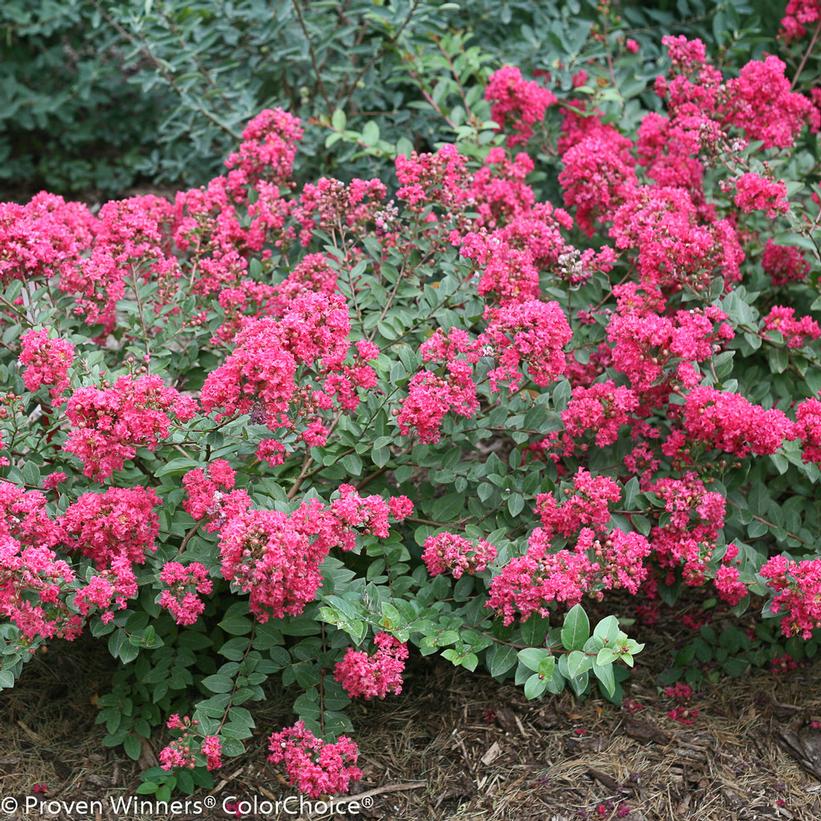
[457, 746]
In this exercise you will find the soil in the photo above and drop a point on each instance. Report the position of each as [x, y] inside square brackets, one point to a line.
[461, 746]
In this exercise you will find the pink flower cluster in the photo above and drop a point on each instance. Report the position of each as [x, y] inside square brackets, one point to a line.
[179, 753]
[514, 256]
[109, 424]
[532, 334]
[183, 584]
[598, 176]
[756, 193]
[275, 557]
[601, 559]
[759, 101]
[205, 497]
[267, 150]
[729, 422]
[796, 587]
[24, 517]
[695, 517]
[351, 513]
[529, 334]
[586, 504]
[784, 263]
[34, 584]
[121, 522]
[211, 749]
[108, 590]
[46, 361]
[292, 367]
[448, 552]
[807, 429]
[331, 205]
[649, 347]
[799, 16]
[796, 332]
[727, 579]
[440, 178]
[537, 581]
[675, 245]
[373, 676]
[44, 238]
[763, 105]
[313, 766]
[431, 395]
[603, 409]
[517, 104]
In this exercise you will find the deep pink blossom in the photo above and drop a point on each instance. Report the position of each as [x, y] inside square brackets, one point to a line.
[46, 361]
[119, 522]
[784, 263]
[109, 424]
[183, 583]
[796, 332]
[373, 676]
[313, 766]
[517, 104]
[531, 334]
[796, 587]
[449, 552]
[756, 193]
[727, 421]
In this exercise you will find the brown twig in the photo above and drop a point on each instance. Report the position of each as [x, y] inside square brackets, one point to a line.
[378, 54]
[388, 788]
[320, 86]
[807, 53]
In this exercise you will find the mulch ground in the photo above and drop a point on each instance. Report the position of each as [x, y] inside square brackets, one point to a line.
[459, 746]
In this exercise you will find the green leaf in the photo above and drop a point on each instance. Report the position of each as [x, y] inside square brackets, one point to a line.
[534, 630]
[352, 464]
[604, 673]
[578, 663]
[535, 686]
[236, 625]
[631, 491]
[370, 133]
[533, 657]
[515, 504]
[219, 683]
[234, 649]
[606, 656]
[576, 628]
[607, 629]
[500, 658]
[132, 747]
[128, 652]
[176, 466]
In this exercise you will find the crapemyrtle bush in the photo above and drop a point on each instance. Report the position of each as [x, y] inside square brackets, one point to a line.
[277, 432]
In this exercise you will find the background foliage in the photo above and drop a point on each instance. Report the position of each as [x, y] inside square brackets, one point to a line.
[97, 96]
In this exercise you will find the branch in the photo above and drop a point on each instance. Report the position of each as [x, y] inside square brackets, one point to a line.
[314, 62]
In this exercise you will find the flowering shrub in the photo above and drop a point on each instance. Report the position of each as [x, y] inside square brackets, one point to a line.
[267, 429]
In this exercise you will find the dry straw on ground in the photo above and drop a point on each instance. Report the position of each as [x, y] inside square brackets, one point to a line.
[458, 746]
